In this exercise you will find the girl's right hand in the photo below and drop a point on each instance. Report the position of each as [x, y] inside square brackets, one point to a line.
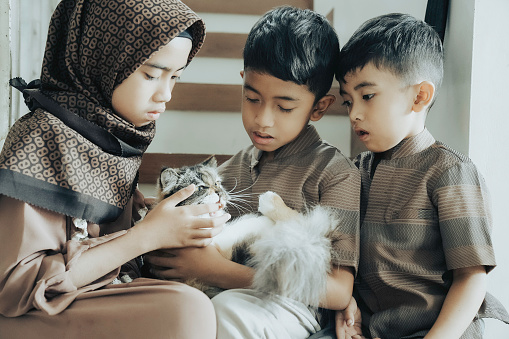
[170, 226]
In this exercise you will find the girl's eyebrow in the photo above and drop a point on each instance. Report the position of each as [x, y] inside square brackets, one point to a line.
[162, 67]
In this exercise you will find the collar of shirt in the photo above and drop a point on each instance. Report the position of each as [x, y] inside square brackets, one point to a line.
[308, 137]
[411, 146]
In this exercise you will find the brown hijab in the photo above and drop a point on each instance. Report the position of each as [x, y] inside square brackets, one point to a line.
[72, 154]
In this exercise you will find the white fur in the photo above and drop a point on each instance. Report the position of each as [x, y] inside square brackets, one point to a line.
[291, 256]
[292, 259]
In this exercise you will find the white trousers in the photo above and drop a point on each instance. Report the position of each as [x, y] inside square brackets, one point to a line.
[246, 314]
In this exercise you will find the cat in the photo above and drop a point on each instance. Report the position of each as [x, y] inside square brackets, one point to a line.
[289, 251]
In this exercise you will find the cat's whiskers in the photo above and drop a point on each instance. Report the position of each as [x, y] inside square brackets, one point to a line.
[241, 209]
[241, 191]
[242, 201]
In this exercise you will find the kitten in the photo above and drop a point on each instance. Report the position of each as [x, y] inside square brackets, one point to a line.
[289, 251]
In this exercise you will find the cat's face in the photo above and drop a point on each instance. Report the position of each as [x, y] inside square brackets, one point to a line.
[204, 176]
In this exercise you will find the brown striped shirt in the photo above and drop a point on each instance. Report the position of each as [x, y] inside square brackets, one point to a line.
[425, 211]
[305, 172]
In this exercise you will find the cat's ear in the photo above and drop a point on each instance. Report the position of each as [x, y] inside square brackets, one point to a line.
[167, 179]
[211, 161]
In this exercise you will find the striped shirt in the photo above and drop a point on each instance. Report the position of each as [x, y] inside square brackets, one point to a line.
[304, 172]
[425, 211]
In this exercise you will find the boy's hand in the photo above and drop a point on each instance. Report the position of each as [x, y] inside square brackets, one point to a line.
[348, 322]
[138, 204]
[185, 263]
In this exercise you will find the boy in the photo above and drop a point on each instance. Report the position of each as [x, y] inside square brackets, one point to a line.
[425, 212]
[289, 62]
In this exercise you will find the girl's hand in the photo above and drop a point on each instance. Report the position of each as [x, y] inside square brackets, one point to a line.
[169, 226]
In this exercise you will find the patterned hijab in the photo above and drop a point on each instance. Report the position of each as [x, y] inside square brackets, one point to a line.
[72, 154]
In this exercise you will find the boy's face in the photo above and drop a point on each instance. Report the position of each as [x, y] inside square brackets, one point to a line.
[274, 112]
[380, 107]
[142, 97]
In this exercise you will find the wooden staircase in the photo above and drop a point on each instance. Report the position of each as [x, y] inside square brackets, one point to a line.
[218, 97]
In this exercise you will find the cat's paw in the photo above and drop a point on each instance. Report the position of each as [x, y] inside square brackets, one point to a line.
[268, 201]
[271, 205]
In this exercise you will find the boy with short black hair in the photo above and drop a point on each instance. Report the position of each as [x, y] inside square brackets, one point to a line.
[425, 211]
[289, 62]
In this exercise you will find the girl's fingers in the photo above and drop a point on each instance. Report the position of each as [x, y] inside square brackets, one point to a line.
[205, 233]
[212, 222]
[181, 195]
[200, 209]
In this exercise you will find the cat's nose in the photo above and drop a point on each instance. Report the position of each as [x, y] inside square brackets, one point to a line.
[211, 199]
[214, 197]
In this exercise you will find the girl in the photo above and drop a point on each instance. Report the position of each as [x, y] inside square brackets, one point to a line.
[68, 172]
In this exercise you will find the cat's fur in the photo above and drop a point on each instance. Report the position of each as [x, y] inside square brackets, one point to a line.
[289, 251]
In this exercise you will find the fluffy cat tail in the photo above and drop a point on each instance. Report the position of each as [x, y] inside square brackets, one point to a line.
[293, 258]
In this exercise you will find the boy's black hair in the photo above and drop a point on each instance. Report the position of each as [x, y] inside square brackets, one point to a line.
[293, 44]
[409, 48]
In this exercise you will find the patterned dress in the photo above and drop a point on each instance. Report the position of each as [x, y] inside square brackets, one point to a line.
[73, 162]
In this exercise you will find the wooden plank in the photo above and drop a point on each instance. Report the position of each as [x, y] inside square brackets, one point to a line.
[152, 163]
[222, 98]
[223, 45]
[250, 7]
[205, 97]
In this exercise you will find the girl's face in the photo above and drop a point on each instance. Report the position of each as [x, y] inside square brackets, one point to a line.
[142, 97]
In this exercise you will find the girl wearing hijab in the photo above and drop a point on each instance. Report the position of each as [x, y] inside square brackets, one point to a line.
[68, 176]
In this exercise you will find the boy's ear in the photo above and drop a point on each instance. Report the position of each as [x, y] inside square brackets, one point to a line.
[242, 74]
[322, 106]
[425, 94]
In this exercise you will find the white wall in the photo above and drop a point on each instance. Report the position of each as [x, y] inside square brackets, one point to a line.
[5, 71]
[489, 116]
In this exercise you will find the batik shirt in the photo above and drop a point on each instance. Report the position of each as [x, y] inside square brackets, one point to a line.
[305, 172]
[425, 211]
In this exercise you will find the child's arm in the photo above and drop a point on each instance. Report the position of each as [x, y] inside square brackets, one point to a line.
[339, 288]
[206, 264]
[461, 304]
[184, 229]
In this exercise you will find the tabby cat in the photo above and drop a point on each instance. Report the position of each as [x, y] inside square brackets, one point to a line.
[290, 251]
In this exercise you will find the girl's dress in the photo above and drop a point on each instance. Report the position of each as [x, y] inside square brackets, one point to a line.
[72, 159]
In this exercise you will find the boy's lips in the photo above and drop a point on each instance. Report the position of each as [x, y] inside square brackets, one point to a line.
[362, 134]
[262, 138]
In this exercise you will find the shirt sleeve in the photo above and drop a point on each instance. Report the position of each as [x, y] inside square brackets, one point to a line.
[36, 258]
[464, 212]
[340, 189]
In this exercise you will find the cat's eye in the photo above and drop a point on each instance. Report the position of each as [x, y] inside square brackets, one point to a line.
[200, 188]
